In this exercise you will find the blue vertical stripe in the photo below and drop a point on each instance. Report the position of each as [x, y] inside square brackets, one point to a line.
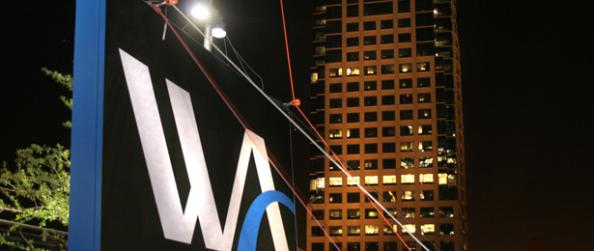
[84, 232]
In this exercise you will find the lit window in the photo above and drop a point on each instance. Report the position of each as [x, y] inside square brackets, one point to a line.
[409, 228]
[389, 179]
[335, 214]
[427, 229]
[404, 68]
[352, 71]
[425, 146]
[446, 229]
[426, 195]
[426, 178]
[371, 214]
[425, 130]
[371, 180]
[408, 195]
[427, 212]
[406, 147]
[406, 163]
[371, 229]
[334, 134]
[406, 130]
[426, 162]
[370, 70]
[408, 212]
[335, 181]
[390, 230]
[353, 214]
[314, 77]
[424, 98]
[335, 230]
[424, 66]
[407, 178]
[370, 164]
[353, 180]
[442, 178]
[313, 185]
[335, 72]
[446, 212]
[353, 230]
[389, 196]
[352, 133]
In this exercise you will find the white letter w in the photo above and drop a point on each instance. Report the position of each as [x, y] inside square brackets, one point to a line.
[179, 224]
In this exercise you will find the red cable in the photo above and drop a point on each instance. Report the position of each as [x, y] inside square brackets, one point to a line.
[242, 121]
[287, 50]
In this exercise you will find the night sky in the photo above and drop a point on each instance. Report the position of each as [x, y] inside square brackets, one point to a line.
[528, 103]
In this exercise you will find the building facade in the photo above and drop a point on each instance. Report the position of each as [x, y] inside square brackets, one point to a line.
[386, 95]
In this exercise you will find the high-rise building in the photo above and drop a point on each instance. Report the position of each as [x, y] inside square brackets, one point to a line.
[386, 95]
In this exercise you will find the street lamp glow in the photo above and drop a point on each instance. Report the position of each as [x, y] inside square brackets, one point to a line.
[200, 11]
[218, 32]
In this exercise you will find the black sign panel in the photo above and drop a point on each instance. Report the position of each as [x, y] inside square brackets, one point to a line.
[157, 158]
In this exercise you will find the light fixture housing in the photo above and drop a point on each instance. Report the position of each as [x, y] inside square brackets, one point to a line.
[218, 32]
[201, 11]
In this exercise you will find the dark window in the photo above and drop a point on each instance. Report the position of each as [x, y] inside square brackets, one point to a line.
[424, 98]
[369, 55]
[333, 41]
[425, 49]
[334, 12]
[373, 194]
[369, 85]
[387, 24]
[336, 230]
[405, 83]
[387, 54]
[353, 198]
[425, 34]
[352, 86]
[352, 10]
[403, 37]
[403, 6]
[388, 69]
[370, 116]
[447, 245]
[406, 99]
[370, 101]
[353, 102]
[369, 25]
[317, 246]
[333, 26]
[446, 212]
[354, 246]
[388, 100]
[353, 213]
[389, 163]
[404, 52]
[352, 56]
[390, 246]
[352, 27]
[423, 82]
[336, 149]
[370, 148]
[425, 19]
[353, 41]
[371, 246]
[352, 117]
[387, 39]
[335, 103]
[388, 131]
[336, 87]
[389, 147]
[403, 22]
[333, 56]
[369, 40]
[353, 149]
[388, 115]
[318, 214]
[424, 113]
[353, 164]
[406, 114]
[446, 229]
[427, 195]
[388, 84]
[377, 8]
[335, 118]
[335, 198]
[370, 132]
[423, 5]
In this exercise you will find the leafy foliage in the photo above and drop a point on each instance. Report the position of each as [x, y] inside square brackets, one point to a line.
[34, 191]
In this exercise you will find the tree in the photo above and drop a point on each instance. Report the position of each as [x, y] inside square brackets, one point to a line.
[34, 191]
